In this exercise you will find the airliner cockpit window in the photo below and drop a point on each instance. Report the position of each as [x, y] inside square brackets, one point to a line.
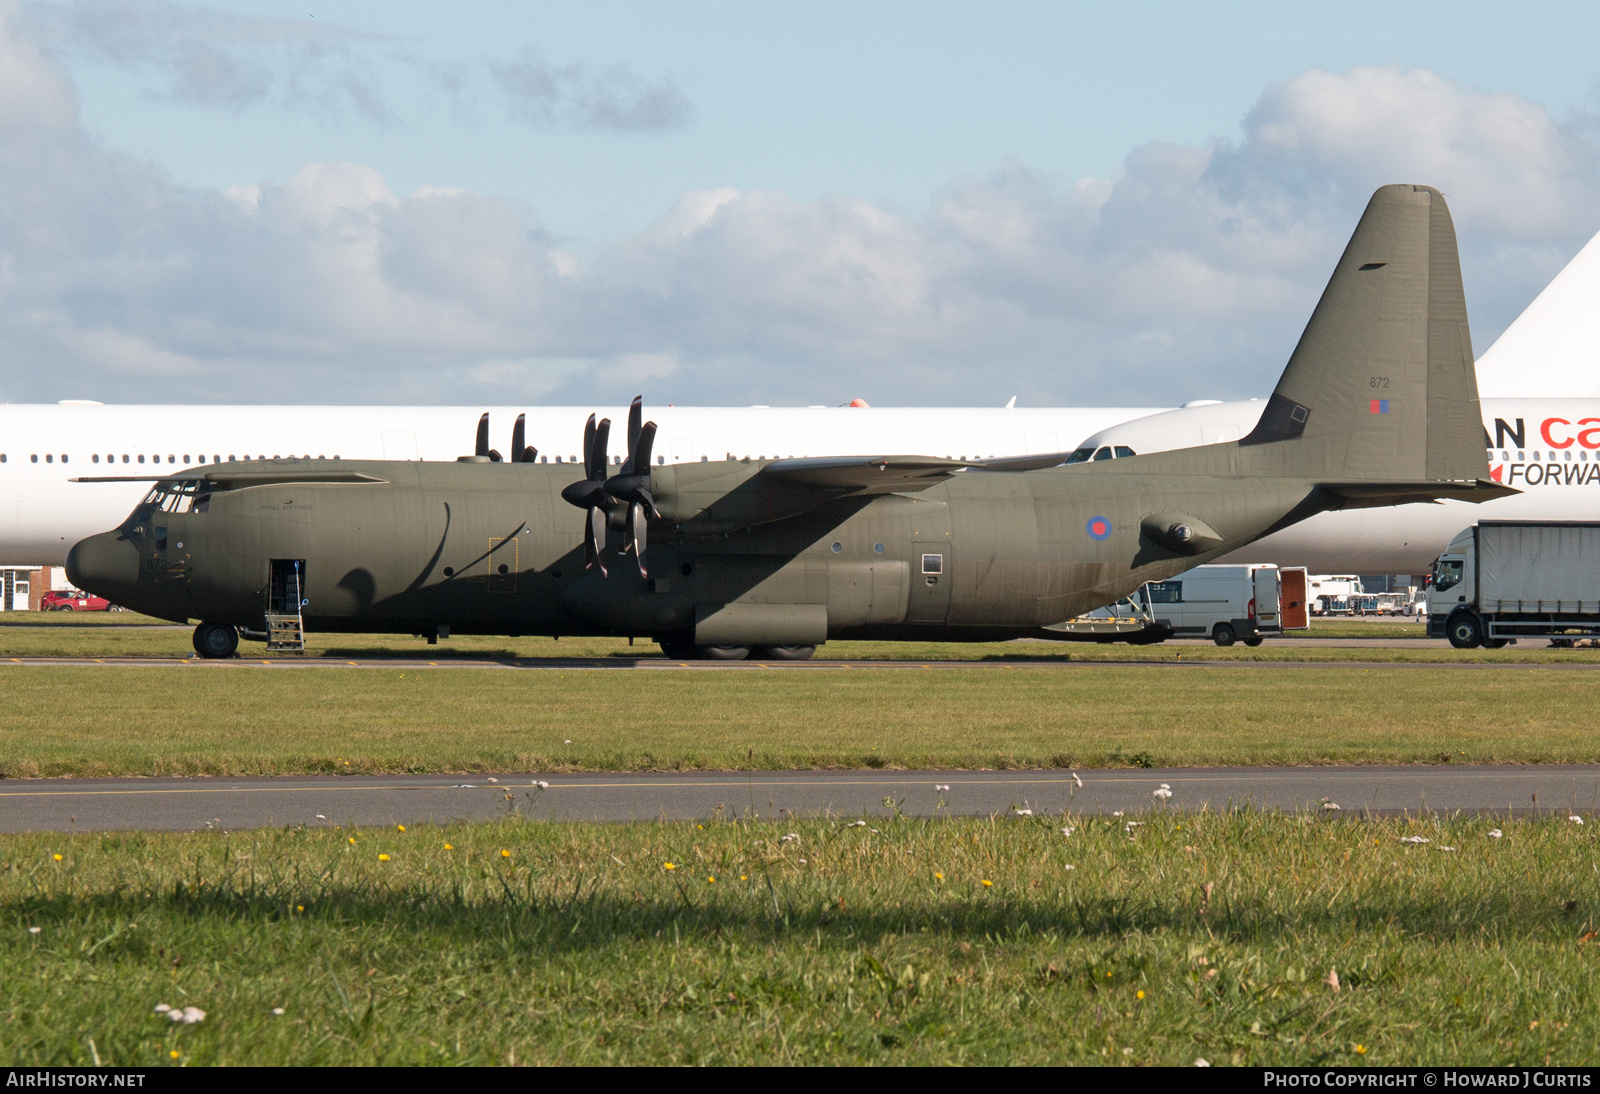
[1080, 456]
[1103, 454]
[1123, 451]
[1447, 572]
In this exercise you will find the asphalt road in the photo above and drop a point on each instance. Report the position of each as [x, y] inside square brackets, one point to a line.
[185, 804]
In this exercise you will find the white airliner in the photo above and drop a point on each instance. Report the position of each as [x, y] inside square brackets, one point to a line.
[1545, 445]
[42, 446]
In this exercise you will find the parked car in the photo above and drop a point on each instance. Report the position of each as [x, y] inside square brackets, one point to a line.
[71, 600]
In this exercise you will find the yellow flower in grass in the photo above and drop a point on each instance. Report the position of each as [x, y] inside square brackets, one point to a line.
[1361, 1050]
[400, 828]
[352, 839]
[1140, 994]
[669, 865]
[504, 853]
[57, 858]
[937, 876]
[299, 907]
[987, 884]
[383, 858]
[173, 1054]
[711, 881]
[449, 847]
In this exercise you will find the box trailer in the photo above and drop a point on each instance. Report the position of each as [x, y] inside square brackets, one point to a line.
[1503, 580]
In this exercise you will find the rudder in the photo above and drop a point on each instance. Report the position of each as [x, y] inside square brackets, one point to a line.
[1381, 386]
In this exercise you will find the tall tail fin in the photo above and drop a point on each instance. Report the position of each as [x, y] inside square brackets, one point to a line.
[1381, 387]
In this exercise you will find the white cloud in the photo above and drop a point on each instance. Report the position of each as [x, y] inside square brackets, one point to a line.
[1189, 273]
[574, 95]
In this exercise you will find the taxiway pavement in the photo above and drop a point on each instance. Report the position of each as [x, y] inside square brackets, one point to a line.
[233, 804]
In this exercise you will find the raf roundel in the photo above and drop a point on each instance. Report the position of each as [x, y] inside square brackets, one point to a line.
[1098, 528]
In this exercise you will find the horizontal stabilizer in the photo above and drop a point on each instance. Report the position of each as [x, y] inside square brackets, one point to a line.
[1364, 495]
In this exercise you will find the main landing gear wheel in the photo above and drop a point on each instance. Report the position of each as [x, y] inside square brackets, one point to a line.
[1223, 634]
[678, 649]
[1464, 631]
[216, 641]
[723, 653]
[1252, 642]
[783, 653]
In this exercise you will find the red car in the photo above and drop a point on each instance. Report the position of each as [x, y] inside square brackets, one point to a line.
[70, 600]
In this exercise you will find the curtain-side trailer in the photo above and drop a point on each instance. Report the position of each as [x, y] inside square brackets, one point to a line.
[1502, 580]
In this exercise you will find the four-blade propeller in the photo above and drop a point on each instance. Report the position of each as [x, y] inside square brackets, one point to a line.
[627, 494]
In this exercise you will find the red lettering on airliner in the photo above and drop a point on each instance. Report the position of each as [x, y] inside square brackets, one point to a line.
[1588, 437]
[1544, 431]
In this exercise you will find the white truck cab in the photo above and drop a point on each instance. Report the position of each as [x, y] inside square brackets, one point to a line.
[1501, 580]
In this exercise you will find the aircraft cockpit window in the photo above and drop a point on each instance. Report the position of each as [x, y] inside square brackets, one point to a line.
[1104, 453]
[1123, 451]
[1080, 456]
[178, 496]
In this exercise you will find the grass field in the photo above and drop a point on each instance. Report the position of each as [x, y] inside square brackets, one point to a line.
[188, 721]
[920, 941]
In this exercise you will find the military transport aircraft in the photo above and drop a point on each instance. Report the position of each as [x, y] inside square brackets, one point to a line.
[1378, 406]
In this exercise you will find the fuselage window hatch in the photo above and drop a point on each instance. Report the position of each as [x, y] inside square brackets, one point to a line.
[933, 564]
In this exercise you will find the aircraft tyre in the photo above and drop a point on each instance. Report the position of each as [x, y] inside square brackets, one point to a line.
[1253, 642]
[1223, 634]
[783, 653]
[722, 653]
[678, 649]
[216, 641]
[1464, 631]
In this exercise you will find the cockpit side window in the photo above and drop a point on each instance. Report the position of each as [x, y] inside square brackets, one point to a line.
[1123, 451]
[1104, 453]
[1080, 456]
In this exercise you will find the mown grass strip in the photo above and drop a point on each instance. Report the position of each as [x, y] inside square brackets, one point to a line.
[134, 721]
[1221, 936]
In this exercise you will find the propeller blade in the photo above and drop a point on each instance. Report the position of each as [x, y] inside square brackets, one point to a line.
[637, 533]
[642, 496]
[494, 455]
[482, 447]
[530, 454]
[588, 445]
[595, 542]
[635, 414]
[519, 439]
[595, 463]
[643, 445]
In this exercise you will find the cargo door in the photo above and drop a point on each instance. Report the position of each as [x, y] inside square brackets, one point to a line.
[1267, 595]
[1293, 613]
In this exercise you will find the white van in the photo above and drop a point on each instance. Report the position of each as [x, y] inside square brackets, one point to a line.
[1225, 603]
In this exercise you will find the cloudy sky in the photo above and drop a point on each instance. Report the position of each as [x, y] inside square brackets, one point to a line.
[727, 203]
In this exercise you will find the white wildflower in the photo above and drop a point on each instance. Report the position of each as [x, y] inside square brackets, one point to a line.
[567, 742]
[1166, 786]
[277, 1012]
[1201, 1061]
[1575, 819]
[321, 817]
[1068, 831]
[857, 824]
[1131, 825]
[1076, 780]
[35, 930]
[542, 785]
[1116, 812]
[790, 838]
[1069, 866]
[1442, 848]
[1332, 807]
[162, 1008]
[491, 780]
[802, 862]
[1024, 812]
[1495, 833]
[1161, 793]
[1414, 839]
[941, 786]
[188, 1015]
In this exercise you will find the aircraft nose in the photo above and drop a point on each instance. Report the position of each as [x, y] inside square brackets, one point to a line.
[106, 564]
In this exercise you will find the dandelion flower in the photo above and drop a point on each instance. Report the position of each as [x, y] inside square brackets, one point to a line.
[743, 878]
[400, 828]
[987, 884]
[449, 847]
[1361, 1050]
[937, 876]
[1495, 833]
[352, 839]
[669, 865]
[1140, 994]
[35, 930]
[711, 881]
[383, 858]
[299, 907]
[173, 1054]
[57, 858]
[504, 853]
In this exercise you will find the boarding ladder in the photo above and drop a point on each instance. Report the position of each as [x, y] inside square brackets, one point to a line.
[285, 630]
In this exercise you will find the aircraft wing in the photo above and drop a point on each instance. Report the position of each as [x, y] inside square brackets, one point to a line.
[892, 474]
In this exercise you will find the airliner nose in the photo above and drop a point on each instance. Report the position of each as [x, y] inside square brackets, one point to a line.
[106, 564]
